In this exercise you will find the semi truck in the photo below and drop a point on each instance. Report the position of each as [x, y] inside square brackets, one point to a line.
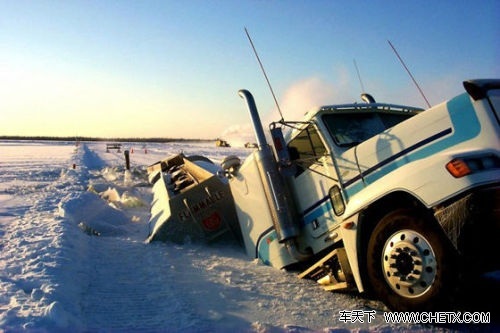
[373, 197]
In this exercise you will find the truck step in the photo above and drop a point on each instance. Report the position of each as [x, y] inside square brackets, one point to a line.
[332, 272]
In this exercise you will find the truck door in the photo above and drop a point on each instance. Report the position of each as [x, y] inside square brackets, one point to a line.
[313, 182]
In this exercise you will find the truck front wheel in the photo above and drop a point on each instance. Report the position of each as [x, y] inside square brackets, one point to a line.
[410, 264]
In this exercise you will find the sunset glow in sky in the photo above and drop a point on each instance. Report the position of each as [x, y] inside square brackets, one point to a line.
[173, 68]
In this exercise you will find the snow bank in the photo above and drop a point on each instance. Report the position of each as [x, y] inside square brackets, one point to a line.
[91, 210]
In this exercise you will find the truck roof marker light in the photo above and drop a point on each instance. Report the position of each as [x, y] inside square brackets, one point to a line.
[458, 168]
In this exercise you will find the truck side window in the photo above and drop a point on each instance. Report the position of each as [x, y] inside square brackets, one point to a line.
[306, 148]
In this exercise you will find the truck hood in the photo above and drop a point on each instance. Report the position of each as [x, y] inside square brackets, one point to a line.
[425, 134]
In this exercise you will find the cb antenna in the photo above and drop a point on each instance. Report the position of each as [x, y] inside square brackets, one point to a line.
[265, 75]
[364, 96]
[409, 73]
[359, 76]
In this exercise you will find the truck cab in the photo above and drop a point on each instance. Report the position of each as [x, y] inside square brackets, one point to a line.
[382, 197]
[324, 152]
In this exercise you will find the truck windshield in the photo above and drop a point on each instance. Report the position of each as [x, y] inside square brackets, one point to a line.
[350, 129]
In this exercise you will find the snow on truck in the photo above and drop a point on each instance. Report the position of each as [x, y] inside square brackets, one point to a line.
[393, 199]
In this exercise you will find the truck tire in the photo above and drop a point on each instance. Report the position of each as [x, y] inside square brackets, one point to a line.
[410, 264]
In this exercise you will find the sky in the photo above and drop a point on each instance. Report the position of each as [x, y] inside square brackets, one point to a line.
[173, 68]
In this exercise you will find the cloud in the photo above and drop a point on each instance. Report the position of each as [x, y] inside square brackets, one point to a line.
[300, 97]
[303, 96]
[239, 134]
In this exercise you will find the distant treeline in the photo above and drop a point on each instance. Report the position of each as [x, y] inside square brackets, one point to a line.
[84, 138]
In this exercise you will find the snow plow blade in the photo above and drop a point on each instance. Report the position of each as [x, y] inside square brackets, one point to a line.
[190, 202]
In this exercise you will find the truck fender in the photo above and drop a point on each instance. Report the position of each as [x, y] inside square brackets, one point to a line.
[349, 233]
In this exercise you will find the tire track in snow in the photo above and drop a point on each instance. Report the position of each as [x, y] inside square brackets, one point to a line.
[132, 288]
[29, 257]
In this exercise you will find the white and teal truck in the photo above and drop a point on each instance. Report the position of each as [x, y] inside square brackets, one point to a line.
[376, 197]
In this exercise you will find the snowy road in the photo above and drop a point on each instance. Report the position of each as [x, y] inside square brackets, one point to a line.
[117, 296]
[55, 274]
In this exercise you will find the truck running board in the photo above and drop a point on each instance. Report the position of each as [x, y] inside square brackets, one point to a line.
[332, 272]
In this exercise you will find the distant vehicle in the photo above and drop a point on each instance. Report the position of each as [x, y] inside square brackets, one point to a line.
[116, 146]
[366, 196]
[221, 143]
[251, 145]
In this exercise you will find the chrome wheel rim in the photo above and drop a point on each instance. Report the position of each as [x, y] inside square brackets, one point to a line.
[409, 263]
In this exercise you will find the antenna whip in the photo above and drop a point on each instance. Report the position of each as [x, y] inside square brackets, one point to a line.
[359, 76]
[265, 75]
[409, 73]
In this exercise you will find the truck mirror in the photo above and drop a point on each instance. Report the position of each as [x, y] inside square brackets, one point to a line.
[279, 144]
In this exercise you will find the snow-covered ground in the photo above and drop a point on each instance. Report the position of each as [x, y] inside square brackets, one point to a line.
[57, 275]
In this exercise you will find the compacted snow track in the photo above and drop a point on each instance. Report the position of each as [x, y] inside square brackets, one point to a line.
[117, 297]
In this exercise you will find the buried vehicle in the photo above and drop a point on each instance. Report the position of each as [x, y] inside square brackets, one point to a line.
[366, 196]
[190, 202]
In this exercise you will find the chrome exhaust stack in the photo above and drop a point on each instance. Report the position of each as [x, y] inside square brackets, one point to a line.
[274, 186]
